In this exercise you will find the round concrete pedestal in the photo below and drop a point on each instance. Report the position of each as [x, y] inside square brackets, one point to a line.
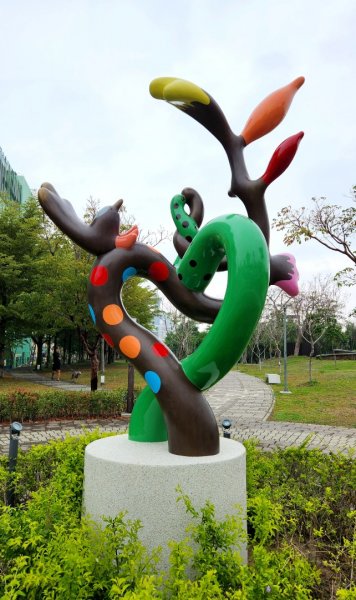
[142, 478]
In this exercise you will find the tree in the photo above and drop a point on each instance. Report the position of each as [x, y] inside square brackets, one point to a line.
[43, 282]
[330, 225]
[22, 251]
[350, 335]
[256, 348]
[316, 310]
[140, 300]
[184, 336]
[273, 315]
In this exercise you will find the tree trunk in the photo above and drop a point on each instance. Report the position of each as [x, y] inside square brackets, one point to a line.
[48, 356]
[130, 388]
[81, 350]
[39, 343]
[310, 361]
[2, 359]
[298, 343]
[2, 348]
[94, 364]
[243, 359]
[70, 348]
[111, 355]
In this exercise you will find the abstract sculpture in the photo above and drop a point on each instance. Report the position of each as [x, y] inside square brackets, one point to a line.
[172, 405]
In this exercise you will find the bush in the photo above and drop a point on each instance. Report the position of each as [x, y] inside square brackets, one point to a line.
[301, 525]
[23, 405]
[308, 499]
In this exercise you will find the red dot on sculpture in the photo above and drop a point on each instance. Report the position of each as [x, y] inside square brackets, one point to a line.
[99, 275]
[159, 349]
[108, 339]
[158, 271]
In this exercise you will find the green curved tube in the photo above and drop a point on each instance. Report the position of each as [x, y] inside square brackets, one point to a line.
[243, 243]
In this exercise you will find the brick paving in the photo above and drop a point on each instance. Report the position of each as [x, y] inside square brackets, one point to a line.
[246, 401]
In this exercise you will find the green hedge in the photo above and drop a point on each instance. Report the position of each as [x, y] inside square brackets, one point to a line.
[301, 535]
[24, 405]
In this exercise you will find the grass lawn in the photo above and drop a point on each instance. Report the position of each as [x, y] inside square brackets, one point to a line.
[115, 376]
[7, 384]
[329, 400]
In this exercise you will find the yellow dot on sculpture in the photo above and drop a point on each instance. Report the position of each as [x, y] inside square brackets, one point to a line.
[130, 346]
[112, 314]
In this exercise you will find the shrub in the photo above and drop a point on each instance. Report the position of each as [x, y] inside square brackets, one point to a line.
[315, 496]
[48, 551]
[23, 405]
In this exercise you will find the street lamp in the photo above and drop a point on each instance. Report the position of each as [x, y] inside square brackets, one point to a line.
[226, 426]
[102, 376]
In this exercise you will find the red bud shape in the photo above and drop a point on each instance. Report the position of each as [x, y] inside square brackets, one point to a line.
[282, 157]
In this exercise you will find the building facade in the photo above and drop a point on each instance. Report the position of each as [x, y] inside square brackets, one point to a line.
[14, 186]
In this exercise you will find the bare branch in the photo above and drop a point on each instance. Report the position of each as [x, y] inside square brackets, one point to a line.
[330, 225]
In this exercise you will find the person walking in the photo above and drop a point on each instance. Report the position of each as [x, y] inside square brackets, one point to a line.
[56, 369]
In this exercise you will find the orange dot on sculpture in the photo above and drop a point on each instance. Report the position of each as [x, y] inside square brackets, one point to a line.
[130, 346]
[112, 314]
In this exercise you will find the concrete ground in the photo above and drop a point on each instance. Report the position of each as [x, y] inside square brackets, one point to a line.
[246, 401]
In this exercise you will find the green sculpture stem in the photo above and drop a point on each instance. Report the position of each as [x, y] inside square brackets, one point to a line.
[244, 245]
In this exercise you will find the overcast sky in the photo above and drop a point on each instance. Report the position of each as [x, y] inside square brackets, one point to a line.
[75, 108]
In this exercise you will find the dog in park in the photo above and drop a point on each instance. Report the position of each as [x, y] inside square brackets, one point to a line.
[75, 375]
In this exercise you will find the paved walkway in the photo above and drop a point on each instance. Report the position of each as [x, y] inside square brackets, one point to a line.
[39, 379]
[245, 400]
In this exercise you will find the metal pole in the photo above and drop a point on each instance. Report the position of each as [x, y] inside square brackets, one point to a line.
[102, 357]
[286, 390]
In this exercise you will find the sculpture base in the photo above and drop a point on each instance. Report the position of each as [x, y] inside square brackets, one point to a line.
[142, 478]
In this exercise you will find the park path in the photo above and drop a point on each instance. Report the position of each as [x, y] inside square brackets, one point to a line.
[246, 401]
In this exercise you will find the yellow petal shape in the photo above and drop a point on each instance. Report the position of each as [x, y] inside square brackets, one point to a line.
[178, 90]
[270, 112]
[157, 86]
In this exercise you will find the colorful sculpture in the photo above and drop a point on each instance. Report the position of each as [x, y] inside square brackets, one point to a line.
[172, 405]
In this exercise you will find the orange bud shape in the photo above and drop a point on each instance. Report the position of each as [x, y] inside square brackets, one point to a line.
[270, 112]
[282, 157]
[127, 239]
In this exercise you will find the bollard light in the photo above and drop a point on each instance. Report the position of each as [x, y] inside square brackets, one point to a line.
[226, 425]
[15, 430]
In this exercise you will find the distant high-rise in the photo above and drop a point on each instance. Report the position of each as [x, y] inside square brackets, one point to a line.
[13, 185]
[16, 188]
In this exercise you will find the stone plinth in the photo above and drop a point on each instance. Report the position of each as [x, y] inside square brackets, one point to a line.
[142, 479]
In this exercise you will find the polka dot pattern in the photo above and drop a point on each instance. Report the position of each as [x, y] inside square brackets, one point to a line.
[129, 272]
[158, 271]
[153, 380]
[112, 314]
[108, 339]
[99, 275]
[160, 350]
[130, 346]
[92, 313]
